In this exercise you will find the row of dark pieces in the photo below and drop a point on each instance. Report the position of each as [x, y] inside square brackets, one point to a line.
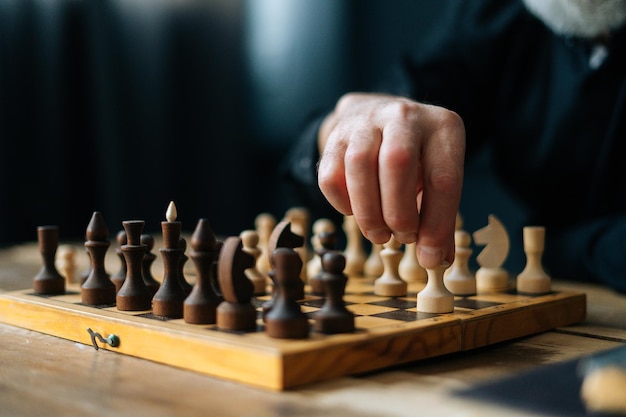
[222, 293]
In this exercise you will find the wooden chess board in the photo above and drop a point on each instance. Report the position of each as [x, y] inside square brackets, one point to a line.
[389, 332]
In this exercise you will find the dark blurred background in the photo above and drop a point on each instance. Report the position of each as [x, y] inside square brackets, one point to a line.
[123, 105]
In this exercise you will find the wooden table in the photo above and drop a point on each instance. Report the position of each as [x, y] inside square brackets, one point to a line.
[42, 375]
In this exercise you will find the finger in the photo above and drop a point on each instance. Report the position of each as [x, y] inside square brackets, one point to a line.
[361, 164]
[442, 170]
[399, 177]
[331, 175]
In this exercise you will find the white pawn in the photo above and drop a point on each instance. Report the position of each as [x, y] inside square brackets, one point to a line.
[354, 251]
[410, 269]
[264, 224]
[250, 240]
[373, 266]
[389, 284]
[533, 279]
[435, 297]
[66, 263]
[459, 279]
[314, 266]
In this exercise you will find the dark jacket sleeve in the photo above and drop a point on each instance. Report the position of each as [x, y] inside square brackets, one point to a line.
[592, 251]
[299, 169]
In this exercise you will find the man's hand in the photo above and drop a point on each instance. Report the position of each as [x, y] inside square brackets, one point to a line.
[397, 166]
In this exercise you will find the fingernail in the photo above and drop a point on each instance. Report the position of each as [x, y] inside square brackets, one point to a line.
[405, 237]
[378, 235]
[429, 257]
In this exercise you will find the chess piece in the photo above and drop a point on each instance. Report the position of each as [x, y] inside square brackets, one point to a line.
[328, 242]
[282, 237]
[533, 279]
[264, 225]
[236, 312]
[200, 307]
[66, 263]
[168, 300]
[491, 277]
[389, 284]
[435, 297]
[133, 295]
[119, 277]
[146, 265]
[181, 269]
[373, 266]
[410, 270]
[85, 273]
[250, 240]
[48, 281]
[458, 278]
[354, 252]
[98, 289]
[334, 317]
[314, 266]
[299, 218]
[286, 320]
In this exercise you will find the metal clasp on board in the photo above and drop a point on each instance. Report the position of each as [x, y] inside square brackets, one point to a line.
[112, 340]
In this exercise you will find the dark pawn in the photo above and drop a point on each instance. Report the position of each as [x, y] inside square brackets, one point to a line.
[200, 307]
[187, 287]
[236, 312]
[119, 277]
[168, 300]
[334, 317]
[48, 281]
[148, 259]
[286, 320]
[134, 295]
[328, 241]
[282, 237]
[97, 288]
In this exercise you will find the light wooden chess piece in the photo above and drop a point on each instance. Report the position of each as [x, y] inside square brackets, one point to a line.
[458, 278]
[533, 279]
[354, 252]
[264, 223]
[410, 269]
[66, 263]
[389, 284]
[373, 266]
[435, 297]
[314, 266]
[299, 218]
[250, 240]
[491, 277]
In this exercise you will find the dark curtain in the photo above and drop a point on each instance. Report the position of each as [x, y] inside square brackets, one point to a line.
[122, 106]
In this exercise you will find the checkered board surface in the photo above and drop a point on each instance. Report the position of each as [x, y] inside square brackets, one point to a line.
[389, 331]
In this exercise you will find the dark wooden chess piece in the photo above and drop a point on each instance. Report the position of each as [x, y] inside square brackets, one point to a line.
[200, 307]
[133, 296]
[148, 259]
[98, 289]
[168, 300]
[48, 280]
[328, 242]
[282, 237]
[334, 317]
[119, 277]
[187, 287]
[236, 312]
[286, 320]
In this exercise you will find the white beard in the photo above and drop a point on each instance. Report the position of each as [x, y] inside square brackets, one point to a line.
[583, 18]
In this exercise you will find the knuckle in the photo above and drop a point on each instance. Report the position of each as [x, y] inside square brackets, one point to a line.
[444, 180]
